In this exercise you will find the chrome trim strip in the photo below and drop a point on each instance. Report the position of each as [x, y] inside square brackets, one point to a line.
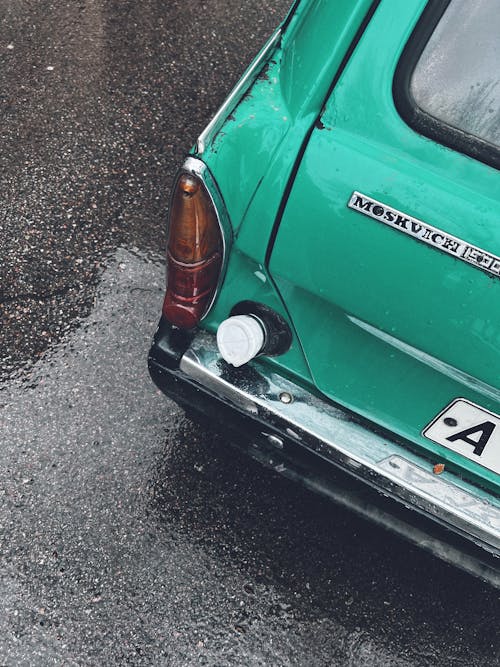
[198, 168]
[331, 433]
[237, 93]
[425, 233]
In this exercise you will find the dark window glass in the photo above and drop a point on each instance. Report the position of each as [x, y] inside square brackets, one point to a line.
[457, 77]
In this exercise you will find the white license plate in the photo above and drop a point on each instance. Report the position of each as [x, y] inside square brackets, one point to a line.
[469, 430]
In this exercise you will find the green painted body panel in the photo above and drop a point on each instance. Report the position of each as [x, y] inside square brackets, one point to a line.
[387, 326]
[252, 156]
[247, 279]
[392, 328]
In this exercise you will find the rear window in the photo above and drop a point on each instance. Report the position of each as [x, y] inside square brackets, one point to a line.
[457, 78]
[448, 80]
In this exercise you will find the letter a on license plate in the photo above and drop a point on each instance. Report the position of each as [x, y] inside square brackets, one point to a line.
[469, 430]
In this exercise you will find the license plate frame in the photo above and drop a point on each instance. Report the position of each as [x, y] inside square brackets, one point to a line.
[469, 430]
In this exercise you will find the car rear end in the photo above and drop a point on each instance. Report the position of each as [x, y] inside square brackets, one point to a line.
[366, 251]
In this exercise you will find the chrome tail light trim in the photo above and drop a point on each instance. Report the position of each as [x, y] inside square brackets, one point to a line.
[237, 93]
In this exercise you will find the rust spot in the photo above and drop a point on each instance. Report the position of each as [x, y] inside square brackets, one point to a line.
[264, 76]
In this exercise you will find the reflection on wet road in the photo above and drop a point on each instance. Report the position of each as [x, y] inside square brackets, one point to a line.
[132, 536]
[101, 100]
[129, 535]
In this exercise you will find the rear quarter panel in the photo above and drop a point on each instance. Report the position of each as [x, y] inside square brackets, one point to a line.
[390, 327]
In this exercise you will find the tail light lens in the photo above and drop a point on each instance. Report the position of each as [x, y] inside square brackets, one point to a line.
[194, 253]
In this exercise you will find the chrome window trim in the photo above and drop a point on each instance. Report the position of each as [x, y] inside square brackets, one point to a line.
[237, 93]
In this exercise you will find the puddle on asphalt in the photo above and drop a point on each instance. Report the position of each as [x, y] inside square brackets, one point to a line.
[126, 271]
[129, 531]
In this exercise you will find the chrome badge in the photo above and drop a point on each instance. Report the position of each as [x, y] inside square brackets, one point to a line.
[425, 233]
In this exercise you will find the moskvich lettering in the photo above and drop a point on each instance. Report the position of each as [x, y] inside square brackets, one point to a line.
[420, 231]
[363, 204]
[401, 221]
[437, 238]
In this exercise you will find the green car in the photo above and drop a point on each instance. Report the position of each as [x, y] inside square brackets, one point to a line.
[333, 267]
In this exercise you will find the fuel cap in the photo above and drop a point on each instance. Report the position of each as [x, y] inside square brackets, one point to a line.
[240, 338]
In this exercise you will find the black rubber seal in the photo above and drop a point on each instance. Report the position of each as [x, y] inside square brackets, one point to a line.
[169, 344]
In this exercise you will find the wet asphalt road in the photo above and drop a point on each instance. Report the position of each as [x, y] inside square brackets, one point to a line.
[128, 534]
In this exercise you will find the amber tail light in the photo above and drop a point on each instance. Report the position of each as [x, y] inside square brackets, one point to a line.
[194, 253]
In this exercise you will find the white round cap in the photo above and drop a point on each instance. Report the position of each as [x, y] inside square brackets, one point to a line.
[240, 338]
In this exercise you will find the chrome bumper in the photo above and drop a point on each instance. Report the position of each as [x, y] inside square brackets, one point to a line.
[288, 410]
[331, 451]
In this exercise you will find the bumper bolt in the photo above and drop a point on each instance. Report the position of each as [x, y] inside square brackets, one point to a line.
[275, 441]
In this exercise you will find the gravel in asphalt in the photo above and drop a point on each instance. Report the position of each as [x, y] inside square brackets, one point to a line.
[101, 100]
[129, 534]
[132, 536]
